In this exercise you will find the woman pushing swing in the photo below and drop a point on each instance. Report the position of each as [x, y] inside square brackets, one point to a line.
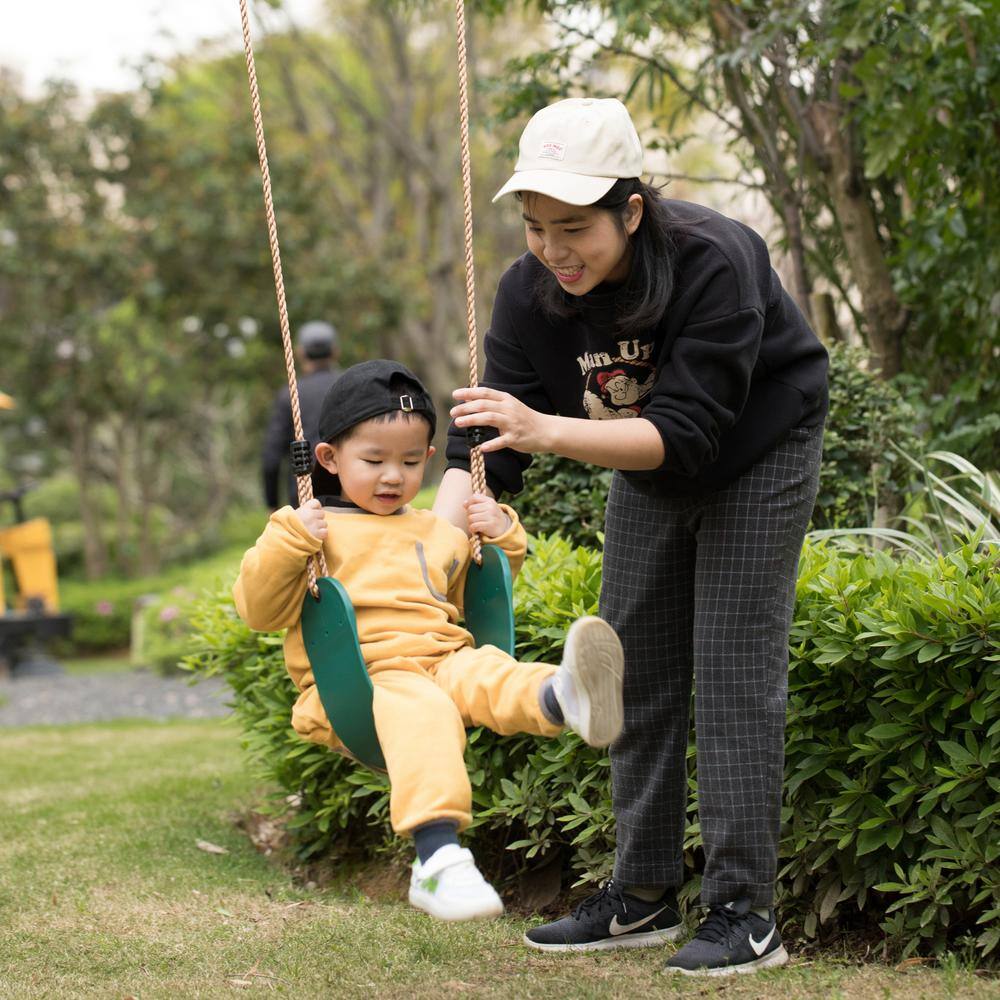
[653, 337]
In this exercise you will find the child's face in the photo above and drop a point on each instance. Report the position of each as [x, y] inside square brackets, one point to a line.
[381, 465]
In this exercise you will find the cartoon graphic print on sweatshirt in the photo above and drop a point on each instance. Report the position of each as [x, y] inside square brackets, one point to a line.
[615, 386]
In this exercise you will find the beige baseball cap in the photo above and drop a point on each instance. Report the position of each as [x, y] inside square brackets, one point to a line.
[575, 150]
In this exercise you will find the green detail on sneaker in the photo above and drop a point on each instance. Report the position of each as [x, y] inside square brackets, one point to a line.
[429, 884]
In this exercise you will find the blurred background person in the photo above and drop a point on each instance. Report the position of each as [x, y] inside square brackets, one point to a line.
[317, 352]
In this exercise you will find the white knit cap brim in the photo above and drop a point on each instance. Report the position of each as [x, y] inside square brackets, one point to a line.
[573, 189]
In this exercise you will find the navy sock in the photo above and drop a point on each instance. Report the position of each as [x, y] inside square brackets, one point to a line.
[551, 708]
[429, 837]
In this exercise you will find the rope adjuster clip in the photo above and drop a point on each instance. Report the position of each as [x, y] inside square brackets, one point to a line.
[302, 459]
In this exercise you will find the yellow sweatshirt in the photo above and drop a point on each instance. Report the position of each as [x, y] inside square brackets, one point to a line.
[405, 574]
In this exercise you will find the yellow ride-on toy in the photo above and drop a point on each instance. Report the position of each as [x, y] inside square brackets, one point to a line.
[31, 613]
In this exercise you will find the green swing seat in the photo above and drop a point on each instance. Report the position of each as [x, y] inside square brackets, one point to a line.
[330, 633]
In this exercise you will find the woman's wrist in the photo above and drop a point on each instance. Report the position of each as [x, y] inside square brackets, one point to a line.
[627, 444]
[566, 436]
[551, 433]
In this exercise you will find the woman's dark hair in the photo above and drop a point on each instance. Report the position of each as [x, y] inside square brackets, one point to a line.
[644, 297]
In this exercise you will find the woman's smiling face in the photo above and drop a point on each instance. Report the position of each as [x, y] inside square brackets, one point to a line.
[580, 244]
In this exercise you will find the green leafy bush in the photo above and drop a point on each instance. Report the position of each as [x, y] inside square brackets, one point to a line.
[104, 611]
[893, 750]
[564, 496]
[963, 419]
[101, 611]
[861, 471]
[161, 630]
[892, 755]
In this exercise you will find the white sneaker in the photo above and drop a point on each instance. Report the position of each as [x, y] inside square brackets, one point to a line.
[448, 886]
[588, 685]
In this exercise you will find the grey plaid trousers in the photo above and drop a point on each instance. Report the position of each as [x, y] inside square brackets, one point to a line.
[704, 587]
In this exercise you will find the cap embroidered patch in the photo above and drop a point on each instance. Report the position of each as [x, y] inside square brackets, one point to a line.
[553, 150]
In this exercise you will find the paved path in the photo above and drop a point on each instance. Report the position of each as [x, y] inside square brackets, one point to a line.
[136, 694]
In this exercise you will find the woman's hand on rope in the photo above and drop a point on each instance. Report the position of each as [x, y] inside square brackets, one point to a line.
[485, 516]
[519, 426]
[313, 519]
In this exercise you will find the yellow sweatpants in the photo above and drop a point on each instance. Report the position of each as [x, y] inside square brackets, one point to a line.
[422, 706]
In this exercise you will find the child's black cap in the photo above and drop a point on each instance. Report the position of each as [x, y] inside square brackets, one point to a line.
[368, 390]
[364, 391]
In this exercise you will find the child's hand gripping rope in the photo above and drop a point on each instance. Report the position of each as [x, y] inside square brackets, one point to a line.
[313, 519]
[485, 516]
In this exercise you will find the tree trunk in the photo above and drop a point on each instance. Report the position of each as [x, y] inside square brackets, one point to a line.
[760, 128]
[123, 518]
[95, 554]
[149, 557]
[825, 319]
[801, 285]
[885, 317]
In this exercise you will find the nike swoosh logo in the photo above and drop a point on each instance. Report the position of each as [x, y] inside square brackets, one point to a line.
[616, 928]
[759, 946]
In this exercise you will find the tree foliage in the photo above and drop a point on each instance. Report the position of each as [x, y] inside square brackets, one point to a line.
[871, 126]
[139, 329]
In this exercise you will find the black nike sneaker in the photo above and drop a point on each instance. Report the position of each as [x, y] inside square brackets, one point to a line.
[611, 918]
[731, 939]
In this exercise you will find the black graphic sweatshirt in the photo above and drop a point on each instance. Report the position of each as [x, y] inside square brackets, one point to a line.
[729, 370]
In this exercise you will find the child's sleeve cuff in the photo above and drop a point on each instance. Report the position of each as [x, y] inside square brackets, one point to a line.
[294, 532]
[513, 531]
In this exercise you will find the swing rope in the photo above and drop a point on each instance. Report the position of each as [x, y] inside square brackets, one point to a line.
[317, 564]
[329, 627]
[477, 466]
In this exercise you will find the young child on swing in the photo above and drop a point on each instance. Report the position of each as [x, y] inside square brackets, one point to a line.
[405, 570]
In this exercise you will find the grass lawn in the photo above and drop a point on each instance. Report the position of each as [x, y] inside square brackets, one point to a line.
[101, 663]
[105, 893]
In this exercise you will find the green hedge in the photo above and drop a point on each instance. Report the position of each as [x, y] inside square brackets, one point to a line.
[101, 611]
[893, 751]
[104, 611]
[891, 772]
[565, 497]
[861, 470]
